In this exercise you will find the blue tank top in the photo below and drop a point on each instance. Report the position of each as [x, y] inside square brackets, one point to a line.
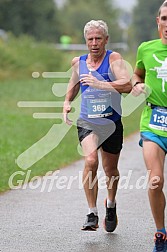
[99, 106]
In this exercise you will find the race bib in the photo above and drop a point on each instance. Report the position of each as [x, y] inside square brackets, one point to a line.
[101, 107]
[159, 119]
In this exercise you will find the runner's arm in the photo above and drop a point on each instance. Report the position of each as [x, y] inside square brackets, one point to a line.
[72, 90]
[138, 82]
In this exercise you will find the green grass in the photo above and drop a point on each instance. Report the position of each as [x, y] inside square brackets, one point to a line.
[19, 130]
[20, 56]
[131, 122]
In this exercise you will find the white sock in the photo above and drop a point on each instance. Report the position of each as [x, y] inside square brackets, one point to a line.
[93, 210]
[110, 204]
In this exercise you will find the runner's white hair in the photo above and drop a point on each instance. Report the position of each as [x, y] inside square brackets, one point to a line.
[99, 24]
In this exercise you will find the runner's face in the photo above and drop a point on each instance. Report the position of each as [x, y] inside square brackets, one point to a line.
[162, 23]
[96, 41]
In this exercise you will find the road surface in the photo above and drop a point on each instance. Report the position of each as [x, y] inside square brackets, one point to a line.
[49, 218]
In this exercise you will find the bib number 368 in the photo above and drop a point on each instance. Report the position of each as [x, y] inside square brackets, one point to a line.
[98, 108]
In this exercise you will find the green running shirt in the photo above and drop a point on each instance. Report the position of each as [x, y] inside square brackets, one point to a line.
[152, 56]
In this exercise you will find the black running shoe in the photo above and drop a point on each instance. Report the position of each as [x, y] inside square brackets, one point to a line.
[91, 223]
[110, 221]
[160, 242]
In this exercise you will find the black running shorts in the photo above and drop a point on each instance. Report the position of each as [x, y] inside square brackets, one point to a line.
[110, 136]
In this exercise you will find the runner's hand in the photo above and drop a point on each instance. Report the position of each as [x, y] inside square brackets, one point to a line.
[89, 80]
[66, 110]
[138, 89]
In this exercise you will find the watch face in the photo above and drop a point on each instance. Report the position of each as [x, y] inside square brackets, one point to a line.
[137, 82]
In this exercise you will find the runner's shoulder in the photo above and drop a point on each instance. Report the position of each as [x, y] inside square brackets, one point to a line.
[149, 44]
[115, 56]
[75, 61]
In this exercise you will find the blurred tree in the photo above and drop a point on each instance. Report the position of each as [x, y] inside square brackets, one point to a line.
[144, 20]
[33, 17]
[76, 13]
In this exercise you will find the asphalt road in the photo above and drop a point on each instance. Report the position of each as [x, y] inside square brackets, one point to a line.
[49, 218]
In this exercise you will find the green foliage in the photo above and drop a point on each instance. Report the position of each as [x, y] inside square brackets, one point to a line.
[144, 20]
[43, 20]
[33, 17]
[19, 57]
[77, 13]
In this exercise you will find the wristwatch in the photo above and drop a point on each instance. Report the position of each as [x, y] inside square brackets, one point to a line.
[137, 82]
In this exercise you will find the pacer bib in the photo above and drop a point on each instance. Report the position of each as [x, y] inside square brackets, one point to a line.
[159, 119]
